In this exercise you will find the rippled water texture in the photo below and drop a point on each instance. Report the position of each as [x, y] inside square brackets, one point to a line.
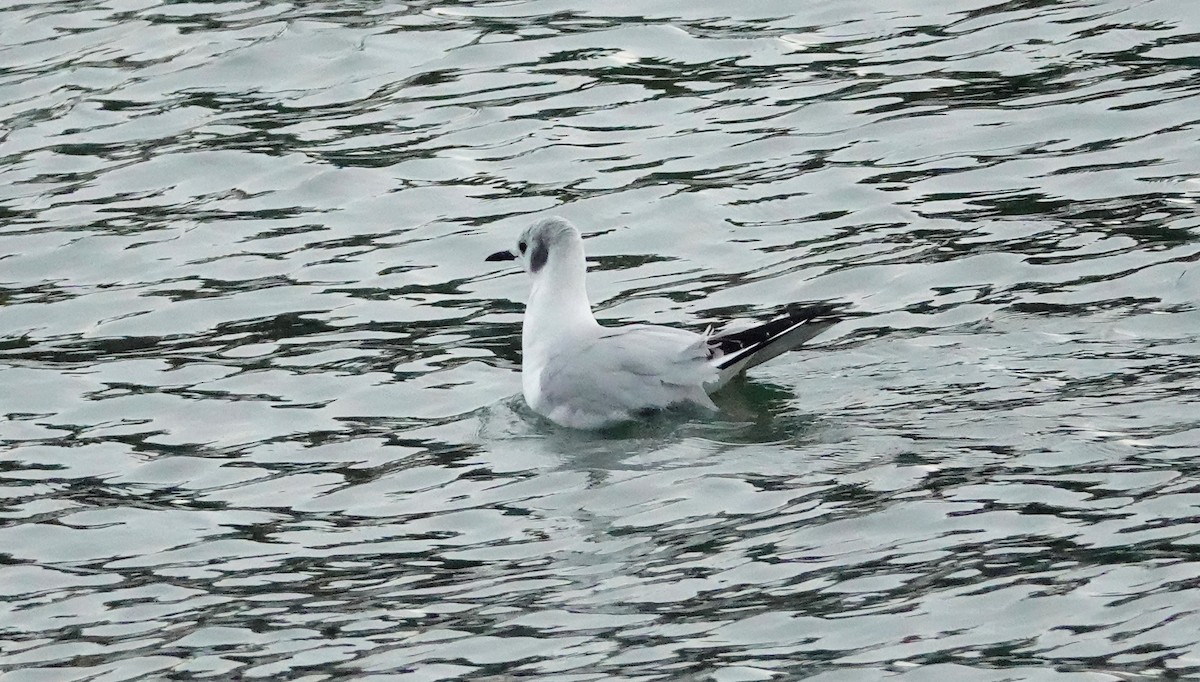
[259, 393]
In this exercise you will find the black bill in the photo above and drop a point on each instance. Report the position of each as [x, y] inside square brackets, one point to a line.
[501, 255]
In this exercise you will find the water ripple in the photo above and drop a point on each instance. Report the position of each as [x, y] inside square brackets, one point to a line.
[259, 394]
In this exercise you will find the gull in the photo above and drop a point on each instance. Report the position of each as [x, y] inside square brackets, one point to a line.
[582, 375]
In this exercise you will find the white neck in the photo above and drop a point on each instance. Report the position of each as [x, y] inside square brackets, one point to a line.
[558, 301]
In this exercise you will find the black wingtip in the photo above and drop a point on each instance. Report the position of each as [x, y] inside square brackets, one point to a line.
[734, 347]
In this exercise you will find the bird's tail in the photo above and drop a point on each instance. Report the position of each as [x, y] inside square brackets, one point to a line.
[736, 352]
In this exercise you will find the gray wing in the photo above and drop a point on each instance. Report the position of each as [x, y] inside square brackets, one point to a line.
[621, 371]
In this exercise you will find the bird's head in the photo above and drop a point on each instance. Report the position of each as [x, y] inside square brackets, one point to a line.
[549, 240]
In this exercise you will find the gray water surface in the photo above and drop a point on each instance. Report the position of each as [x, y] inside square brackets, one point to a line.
[260, 411]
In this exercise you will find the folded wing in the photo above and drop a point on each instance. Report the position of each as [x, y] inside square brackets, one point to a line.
[623, 371]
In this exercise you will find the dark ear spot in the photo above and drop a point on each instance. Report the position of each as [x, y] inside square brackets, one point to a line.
[537, 259]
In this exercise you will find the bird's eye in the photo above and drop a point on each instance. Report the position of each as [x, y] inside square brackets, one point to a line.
[522, 246]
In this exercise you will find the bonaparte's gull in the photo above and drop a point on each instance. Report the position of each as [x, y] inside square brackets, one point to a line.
[582, 375]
